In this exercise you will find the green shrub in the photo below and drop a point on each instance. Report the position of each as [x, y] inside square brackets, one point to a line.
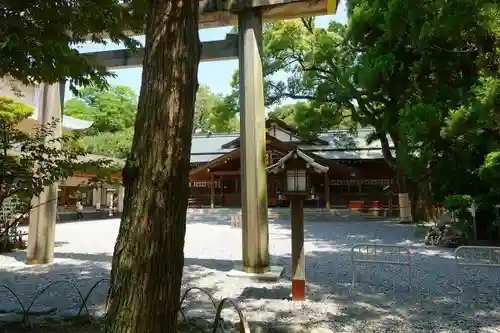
[457, 203]
[490, 171]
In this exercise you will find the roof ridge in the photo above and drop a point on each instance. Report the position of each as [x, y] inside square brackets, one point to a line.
[211, 135]
[341, 130]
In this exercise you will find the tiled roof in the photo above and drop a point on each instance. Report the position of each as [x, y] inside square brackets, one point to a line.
[206, 147]
[202, 158]
[342, 144]
[365, 154]
[346, 140]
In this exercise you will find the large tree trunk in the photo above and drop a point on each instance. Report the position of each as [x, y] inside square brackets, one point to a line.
[403, 195]
[395, 163]
[421, 201]
[149, 252]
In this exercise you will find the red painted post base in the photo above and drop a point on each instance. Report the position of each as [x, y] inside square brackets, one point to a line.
[298, 290]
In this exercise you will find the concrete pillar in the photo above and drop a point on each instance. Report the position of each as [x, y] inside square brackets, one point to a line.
[104, 196]
[253, 144]
[42, 218]
[62, 92]
[212, 192]
[97, 197]
[109, 200]
[327, 190]
[121, 196]
[94, 197]
[404, 207]
[390, 213]
[298, 257]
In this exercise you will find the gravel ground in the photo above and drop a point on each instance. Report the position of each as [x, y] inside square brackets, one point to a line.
[381, 301]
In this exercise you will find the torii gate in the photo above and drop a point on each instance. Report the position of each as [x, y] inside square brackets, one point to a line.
[246, 46]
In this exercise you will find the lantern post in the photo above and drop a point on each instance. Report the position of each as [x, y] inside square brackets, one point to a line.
[297, 166]
[297, 190]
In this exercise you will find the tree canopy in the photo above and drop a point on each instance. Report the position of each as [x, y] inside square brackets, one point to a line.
[31, 161]
[113, 113]
[213, 112]
[110, 110]
[309, 119]
[421, 75]
[39, 38]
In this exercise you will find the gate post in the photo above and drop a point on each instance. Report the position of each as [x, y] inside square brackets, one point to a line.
[42, 218]
[253, 143]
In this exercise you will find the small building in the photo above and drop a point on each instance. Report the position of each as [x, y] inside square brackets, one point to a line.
[31, 96]
[358, 176]
[69, 189]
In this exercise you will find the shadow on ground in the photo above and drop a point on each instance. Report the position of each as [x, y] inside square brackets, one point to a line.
[381, 302]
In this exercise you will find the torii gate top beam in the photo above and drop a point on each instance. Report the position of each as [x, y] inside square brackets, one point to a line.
[221, 13]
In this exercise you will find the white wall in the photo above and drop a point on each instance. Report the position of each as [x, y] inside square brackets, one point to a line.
[282, 135]
[9, 87]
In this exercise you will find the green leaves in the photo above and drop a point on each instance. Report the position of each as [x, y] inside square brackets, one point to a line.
[111, 110]
[31, 161]
[39, 38]
[423, 73]
[12, 112]
[221, 117]
[113, 114]
[490, 171]
[215, 113]
[311, 118]
[457, 202]
[113, 144]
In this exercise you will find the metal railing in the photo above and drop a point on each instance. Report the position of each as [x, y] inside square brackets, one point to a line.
[25, 309]
[475, 256]
[382, 254]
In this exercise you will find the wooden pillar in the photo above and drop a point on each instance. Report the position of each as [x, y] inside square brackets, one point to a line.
[42, 218]
[298, 258]
[63, 199]
[212, 192]
[327, 190]
[403, 197]
[98, 196]
[121, 196]
[253, 144]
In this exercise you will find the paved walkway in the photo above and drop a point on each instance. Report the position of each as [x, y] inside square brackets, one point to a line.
[84, 250]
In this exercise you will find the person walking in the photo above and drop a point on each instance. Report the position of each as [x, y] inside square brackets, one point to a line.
[79, 210]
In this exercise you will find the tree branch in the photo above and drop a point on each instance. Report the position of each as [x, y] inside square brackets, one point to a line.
[308, 24]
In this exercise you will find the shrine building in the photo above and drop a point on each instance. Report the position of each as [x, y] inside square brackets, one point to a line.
[357, 177]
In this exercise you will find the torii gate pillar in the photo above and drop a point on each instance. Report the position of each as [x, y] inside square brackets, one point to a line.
[42, 218]
[253, 144]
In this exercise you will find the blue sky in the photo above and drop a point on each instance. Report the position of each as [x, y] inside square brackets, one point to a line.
[217, 75]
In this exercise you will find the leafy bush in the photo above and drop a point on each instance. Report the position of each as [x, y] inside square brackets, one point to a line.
[457, 202]
[490, 171]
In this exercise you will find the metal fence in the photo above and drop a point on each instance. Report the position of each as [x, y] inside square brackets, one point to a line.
[361, 254]
[236, 220]
[475, 256]
[381, 254]
[218, 306]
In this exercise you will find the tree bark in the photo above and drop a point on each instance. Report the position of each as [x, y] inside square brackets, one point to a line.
[421, 201]
[149, 252]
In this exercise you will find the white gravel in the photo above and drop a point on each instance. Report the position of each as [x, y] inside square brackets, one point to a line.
[84, 252]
